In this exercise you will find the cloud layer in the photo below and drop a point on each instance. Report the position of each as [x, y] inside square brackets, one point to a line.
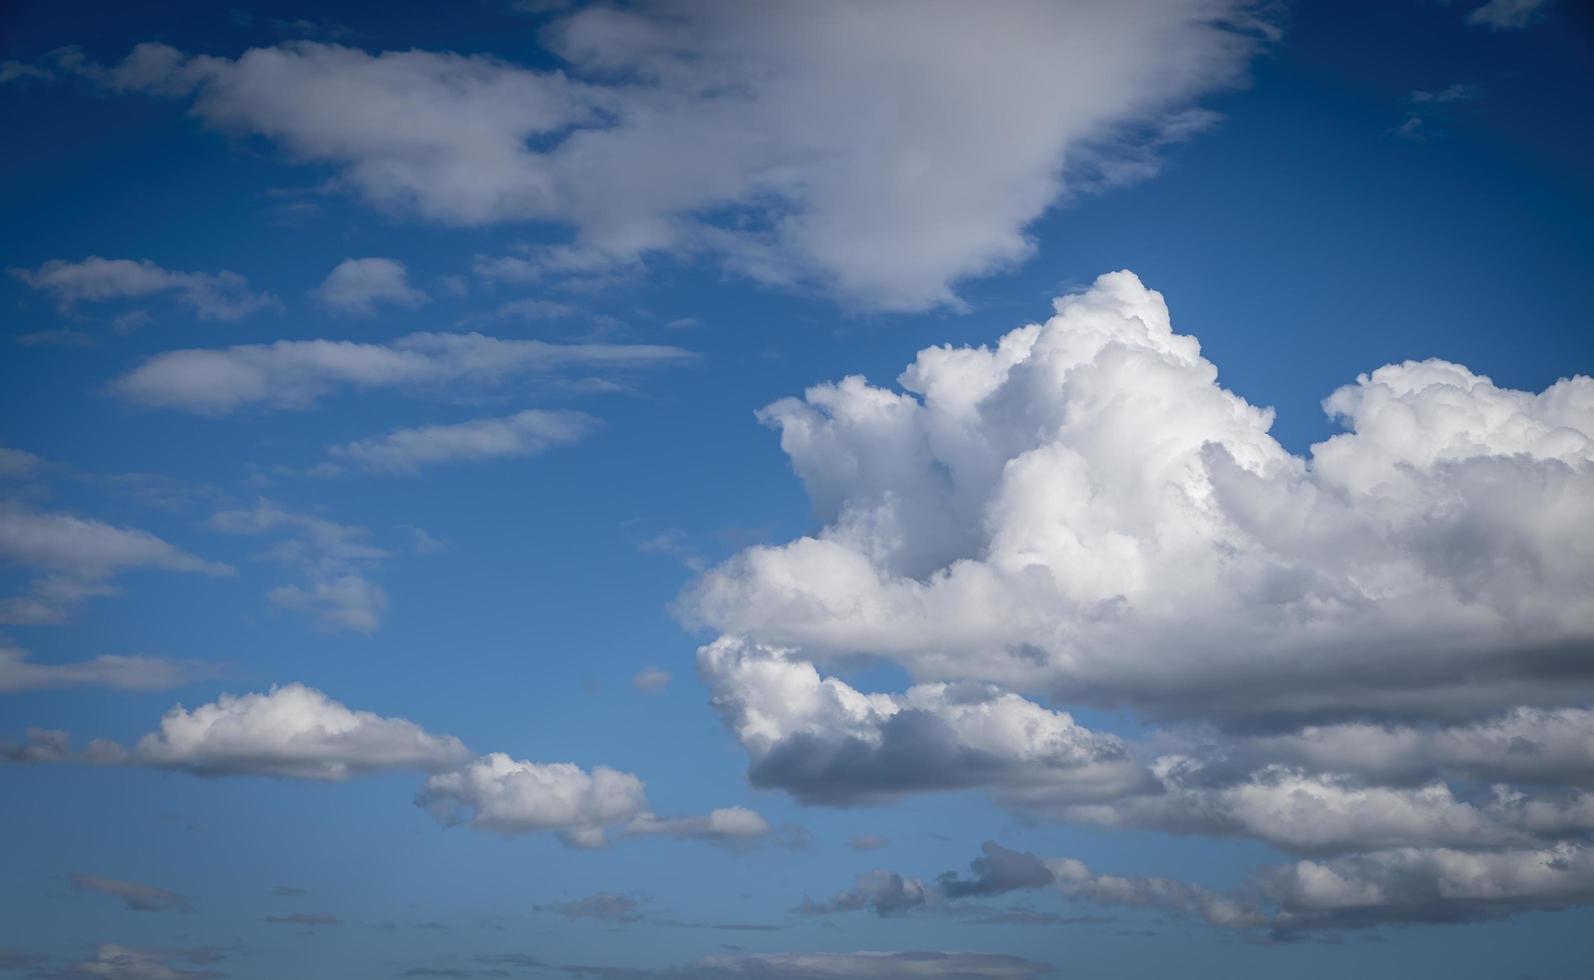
[858, 140]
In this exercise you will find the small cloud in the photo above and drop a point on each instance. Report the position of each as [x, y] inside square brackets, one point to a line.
[867, 842]
[135, 896]
[651, 680]
[1507, 15]
[310, 919]
[358, 286]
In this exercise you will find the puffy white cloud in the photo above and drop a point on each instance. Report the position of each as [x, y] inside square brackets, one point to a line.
[512, 796]
[1082, 509]
[334, 558]
[859, 137]
[292, 374]
[218, 296]
[135, 895]
[523, 434]
[78, 556]
[356, 287]
[19, 673]
[292, 731]
[826, 742]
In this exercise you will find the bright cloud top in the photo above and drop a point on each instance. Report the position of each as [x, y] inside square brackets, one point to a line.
[1082, 509]
[861, 136]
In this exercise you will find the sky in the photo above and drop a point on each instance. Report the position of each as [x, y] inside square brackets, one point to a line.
[797, 491]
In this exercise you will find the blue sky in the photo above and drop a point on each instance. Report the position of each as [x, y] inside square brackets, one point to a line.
[436, 537]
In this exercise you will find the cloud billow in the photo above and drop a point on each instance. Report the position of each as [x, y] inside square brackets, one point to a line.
[1372, 658]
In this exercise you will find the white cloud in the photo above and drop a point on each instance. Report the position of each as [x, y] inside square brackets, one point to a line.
[1506, 15]
[296, 373]
[292, 731]
[511, 796]
[17, 464]
[523, 434]
[824, 741]
[358, 286]
[136, 896]
[858, 138]
[218, 296]
[1082, 510]
[78, 557]
[334, 558]
[115, 962]
[730, 824]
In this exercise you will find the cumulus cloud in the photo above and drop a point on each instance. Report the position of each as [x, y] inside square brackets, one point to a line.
[292, 731]
[356, 287]
[20, 673]
[857, 137]
[218, 296]
[134, 895]
[294, 374]
[513, 796]
[523, 434]
[1082, 509]
[336, 560]
[1370, 656]
[826, 742]
[78, 557]
[885, 893]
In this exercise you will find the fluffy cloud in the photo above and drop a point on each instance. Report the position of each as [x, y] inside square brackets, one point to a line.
[859, 136]
[219, 296]
[292, 374]
[292, 731]
[883, 892]
[523, 434]
[358, 286]
[134, 895]
[511, 796]
[1370, 656]
[826, 742]
[1081, 509]
[78, 556]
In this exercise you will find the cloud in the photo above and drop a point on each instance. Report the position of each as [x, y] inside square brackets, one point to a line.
[833, 144]
[825, 742]
[17, 464]
[135, 896]
[510, 796]
[1506, 15]
[651, 680]
[295, 732]
[356, 287]
[603, 907]
[885, 893]
[335, 559]
[724, 825]
[1063, 510]
[307, 919]
[78, 556]
[219, 296]
[867, 842]
[19, 673]
[115, 962]
[523, 434]
[835, 966]
[294, 374]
